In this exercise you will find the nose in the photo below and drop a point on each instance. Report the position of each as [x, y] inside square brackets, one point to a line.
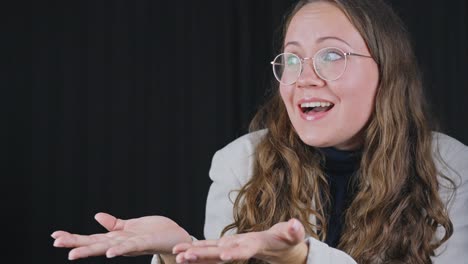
[309, 77]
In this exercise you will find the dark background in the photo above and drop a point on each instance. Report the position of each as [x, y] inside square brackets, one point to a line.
[118, 106]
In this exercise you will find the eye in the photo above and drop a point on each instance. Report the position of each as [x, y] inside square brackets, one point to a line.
[332, 55]
[292, 60]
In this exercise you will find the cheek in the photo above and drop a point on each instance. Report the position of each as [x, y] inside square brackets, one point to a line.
[359, 114]
[286, 93]
[358, 106]
[360, 89]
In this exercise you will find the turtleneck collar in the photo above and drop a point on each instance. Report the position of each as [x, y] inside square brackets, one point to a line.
[341, 161]
[340, 167]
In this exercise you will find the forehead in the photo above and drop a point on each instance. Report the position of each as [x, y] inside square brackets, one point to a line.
[320, 20]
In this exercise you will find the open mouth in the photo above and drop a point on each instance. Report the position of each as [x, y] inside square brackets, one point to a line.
[315, 107]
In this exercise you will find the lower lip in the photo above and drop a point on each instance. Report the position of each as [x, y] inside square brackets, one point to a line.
[313, 116]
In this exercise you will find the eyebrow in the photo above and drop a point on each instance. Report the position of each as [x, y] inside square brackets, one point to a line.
[319, 40]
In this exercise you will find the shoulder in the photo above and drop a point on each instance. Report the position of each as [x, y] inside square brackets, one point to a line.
[238, 155]
[448, 146]
[451, 157]
[451, 160]
[244, 145]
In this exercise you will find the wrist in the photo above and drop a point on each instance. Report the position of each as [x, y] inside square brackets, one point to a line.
[297, 255]
[167, 258]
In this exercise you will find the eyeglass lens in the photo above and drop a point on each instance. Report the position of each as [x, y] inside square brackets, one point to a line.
[329, 64]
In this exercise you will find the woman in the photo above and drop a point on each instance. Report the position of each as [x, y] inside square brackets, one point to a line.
[342, 166]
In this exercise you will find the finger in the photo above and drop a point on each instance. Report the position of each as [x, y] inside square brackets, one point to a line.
[204, 262]
[181, 247]
[205, 243]
[66, 239]
[97, 249]
[185, 258]
[237, 253]
[109, 222]
[195, 254]
[197, 261]
[132, 246]
[59, 233]
[230, 241]
[199, 243]
[215, 255]
[296, 231]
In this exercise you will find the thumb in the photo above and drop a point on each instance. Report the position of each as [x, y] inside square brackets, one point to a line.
[296, 231]
[109, 222]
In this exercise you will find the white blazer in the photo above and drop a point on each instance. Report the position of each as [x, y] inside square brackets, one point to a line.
[232, 167]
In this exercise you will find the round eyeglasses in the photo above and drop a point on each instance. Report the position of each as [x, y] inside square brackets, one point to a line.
[329, 64]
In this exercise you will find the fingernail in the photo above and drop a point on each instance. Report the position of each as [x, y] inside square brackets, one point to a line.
[296, 225]
[110, 255]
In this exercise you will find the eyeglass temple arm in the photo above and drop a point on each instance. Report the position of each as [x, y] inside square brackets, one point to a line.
[356, 54]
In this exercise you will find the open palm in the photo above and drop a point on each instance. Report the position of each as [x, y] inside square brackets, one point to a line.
[138, 236]
[282, 243]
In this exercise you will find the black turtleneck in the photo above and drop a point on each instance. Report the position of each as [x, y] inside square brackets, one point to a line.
[340, 168]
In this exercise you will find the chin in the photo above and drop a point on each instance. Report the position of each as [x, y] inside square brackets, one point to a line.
[314, 141]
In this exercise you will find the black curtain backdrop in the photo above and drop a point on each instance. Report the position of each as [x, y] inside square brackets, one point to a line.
[119, 106]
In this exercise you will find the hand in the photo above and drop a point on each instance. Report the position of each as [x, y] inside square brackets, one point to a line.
[282, 243]
[139, 236]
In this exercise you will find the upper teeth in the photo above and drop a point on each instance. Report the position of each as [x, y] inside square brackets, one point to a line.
[316, 104]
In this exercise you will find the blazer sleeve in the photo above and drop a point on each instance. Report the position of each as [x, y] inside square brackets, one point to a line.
[453, 163]
[319, 252]
[221, 195]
